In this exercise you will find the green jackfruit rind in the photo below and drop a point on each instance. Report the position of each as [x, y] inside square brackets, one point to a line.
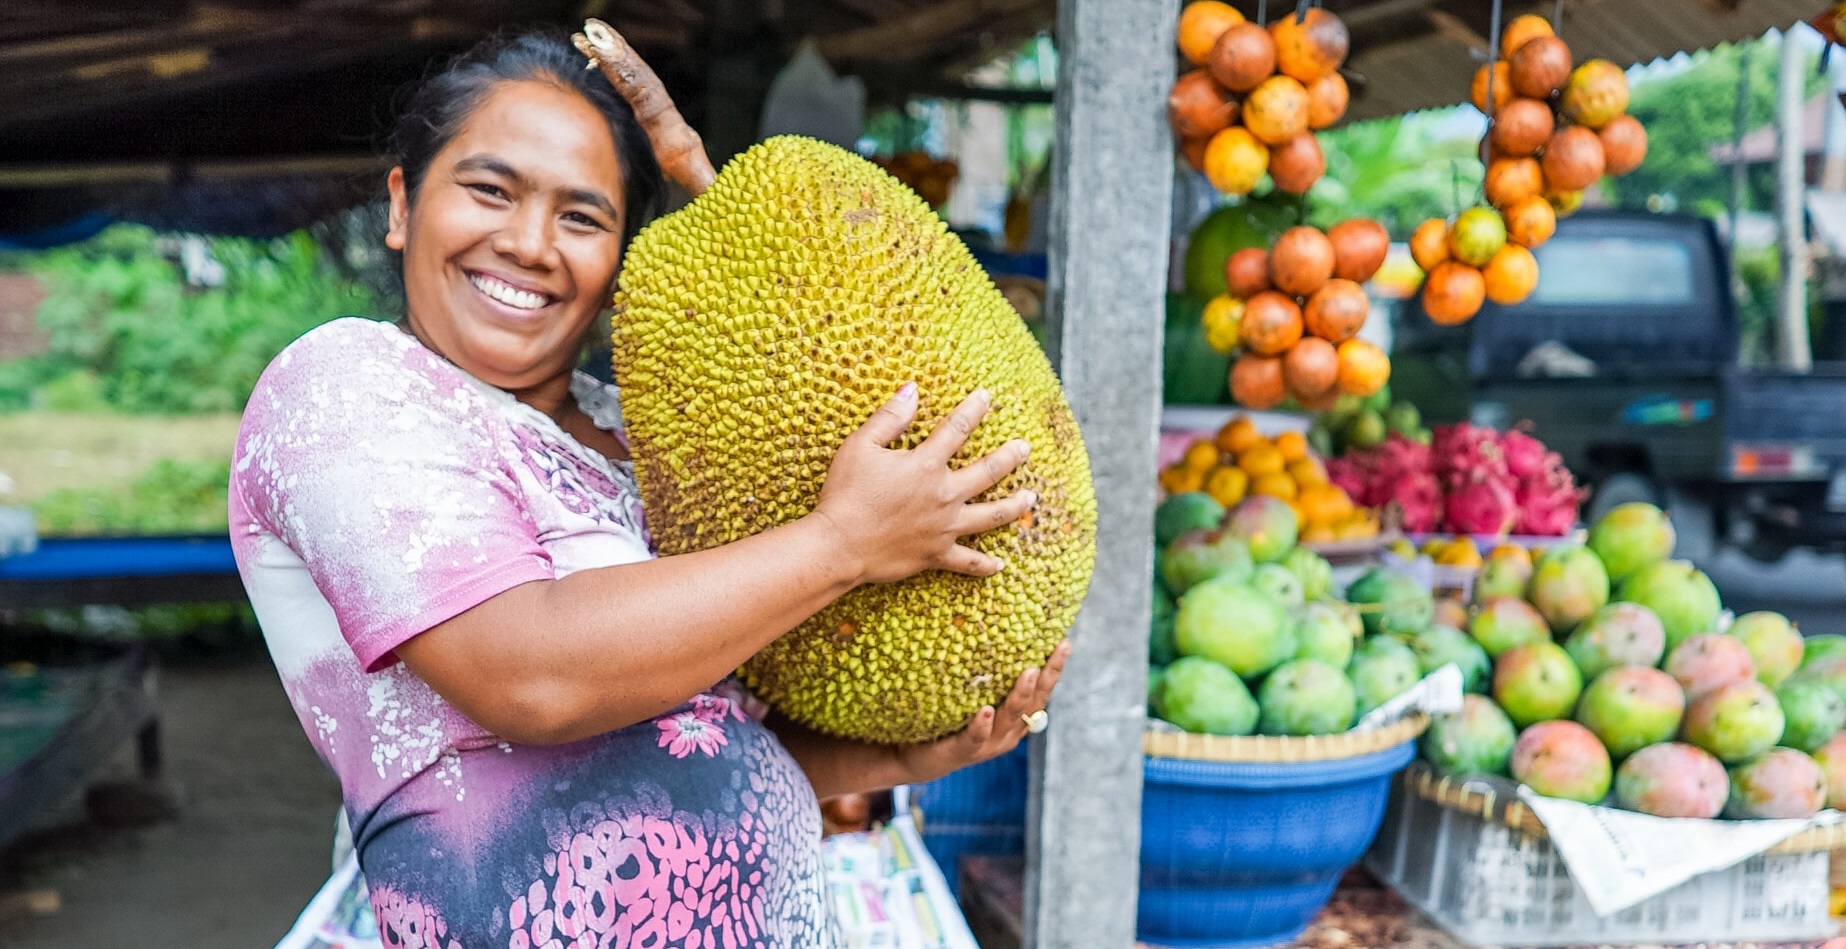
[760, 325]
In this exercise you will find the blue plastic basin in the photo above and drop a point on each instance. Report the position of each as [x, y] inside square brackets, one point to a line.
[1239, 855]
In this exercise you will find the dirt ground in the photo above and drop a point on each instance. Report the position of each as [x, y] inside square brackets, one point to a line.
[250, 845]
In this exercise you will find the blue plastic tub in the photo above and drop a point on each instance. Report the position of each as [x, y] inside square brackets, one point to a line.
[1237, 855]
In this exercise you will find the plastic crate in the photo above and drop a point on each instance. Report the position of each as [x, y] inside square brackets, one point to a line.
[1492, 884]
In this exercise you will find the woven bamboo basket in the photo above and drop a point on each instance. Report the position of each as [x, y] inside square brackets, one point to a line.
[1482, 800]
[1277, 749]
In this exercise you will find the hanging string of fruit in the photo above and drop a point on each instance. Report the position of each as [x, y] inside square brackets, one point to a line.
[1249, 111]
[1553, 130]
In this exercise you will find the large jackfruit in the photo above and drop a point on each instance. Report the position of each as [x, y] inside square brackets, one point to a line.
[763, 323]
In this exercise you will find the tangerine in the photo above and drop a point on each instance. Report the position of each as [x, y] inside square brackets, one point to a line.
[1222, 317]
[1297, 163]
[1292, 444]
[1198, 108]
[1596, 93]
[1301, 261]
[1564, 203]
[1360, 246]
[1271, 324]
[1310, 368]
[1429, 243]
[1227, 484]
[1502, 87]
[1201, 455]
[1323, 503]
[1238, 434]
[1453, 293]
[1235, 161]
[1247, 272]
[1193, 150]
[1364, 368]
[1311, 45]
[1521, 127]
[1336, 311]
[1200, 25]
[1256, 381]
[1328, 97]
[1243, 56]
[1522, 28]
[1539, 66]
[1262, 459]
[1477, 235]
[1276, 110]
[1573, 159]
[1308, 471]
[1180, 479]
[1511, 276]
[1511, 180]
[1624, 145]
[1277, 485]
[1530, 222]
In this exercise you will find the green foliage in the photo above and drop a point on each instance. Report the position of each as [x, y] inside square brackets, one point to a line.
[1395, 171]
[1688, 112]
[127, 332]
[171, 497]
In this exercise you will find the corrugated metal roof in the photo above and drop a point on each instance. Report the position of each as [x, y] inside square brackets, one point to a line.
[1406, 71]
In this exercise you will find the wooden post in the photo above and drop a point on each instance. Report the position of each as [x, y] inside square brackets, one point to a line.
[1112, 181]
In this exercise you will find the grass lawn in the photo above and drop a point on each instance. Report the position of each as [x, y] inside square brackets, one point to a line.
[45, 451]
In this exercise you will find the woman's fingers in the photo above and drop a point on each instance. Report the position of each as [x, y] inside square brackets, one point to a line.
[891, 419]
[953, 431]
[987, 472]
[967, 560]
[1054, 670]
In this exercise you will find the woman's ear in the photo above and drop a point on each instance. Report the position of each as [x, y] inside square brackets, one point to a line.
[398, 232]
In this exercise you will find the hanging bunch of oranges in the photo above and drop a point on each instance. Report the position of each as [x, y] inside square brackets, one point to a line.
[1251, 107]
[1295, 311]
[1554, 130]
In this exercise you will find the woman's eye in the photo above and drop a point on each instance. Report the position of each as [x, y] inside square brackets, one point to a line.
[491, 191]
[578, 217]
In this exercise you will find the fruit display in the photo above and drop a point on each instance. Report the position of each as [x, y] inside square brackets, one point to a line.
[1240, 461]
[802, 274]
[1553, 130]
[1249, 107]
[1467, 479]
[1247, 639]
[1594, 698]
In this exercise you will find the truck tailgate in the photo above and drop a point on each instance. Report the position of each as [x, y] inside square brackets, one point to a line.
[1786, 424]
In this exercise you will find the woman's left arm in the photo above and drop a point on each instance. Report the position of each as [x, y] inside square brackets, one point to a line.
[837, 766]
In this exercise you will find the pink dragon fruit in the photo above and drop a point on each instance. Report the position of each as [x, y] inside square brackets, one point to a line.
[1466, 453]
[1548, 500]
[1525, 455]
[1351, 475]
[1481, 505]
[1399, 456]
[1419, 494]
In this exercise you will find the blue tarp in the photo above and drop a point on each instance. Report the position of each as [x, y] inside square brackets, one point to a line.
[70, 232]
[79, 558]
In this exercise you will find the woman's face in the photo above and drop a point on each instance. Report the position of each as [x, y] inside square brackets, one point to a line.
[512, 244]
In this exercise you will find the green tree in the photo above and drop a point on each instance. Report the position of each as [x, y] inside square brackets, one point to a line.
[127, 332]
[1396, 171]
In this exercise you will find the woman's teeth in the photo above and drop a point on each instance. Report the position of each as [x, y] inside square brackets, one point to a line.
[506, 293]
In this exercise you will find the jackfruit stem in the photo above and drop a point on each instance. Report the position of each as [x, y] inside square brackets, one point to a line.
[677, 147]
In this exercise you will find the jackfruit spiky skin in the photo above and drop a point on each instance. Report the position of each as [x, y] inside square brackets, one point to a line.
[759, 326]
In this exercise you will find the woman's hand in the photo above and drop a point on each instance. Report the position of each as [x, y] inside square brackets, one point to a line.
[898, 513]
[991, 732]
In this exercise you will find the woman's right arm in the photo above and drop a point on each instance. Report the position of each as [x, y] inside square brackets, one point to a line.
[559, 660]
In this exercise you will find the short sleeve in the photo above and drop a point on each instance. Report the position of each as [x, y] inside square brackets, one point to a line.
[385, 470]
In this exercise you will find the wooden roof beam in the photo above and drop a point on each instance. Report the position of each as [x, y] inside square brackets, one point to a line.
[920, 29]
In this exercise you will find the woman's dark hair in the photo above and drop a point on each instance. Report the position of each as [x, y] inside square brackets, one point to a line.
[441, 104]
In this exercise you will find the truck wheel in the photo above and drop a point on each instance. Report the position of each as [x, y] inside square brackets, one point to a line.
[1618, 489]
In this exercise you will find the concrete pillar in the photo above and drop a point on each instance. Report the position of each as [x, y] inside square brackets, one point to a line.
[1112, 180]
[1792, 349]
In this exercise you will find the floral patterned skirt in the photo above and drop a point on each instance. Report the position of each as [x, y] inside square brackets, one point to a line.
[693, 830]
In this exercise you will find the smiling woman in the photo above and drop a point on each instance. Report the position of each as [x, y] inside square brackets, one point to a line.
[531, 716]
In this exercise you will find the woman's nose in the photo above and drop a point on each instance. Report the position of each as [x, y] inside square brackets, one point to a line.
[526, 238]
